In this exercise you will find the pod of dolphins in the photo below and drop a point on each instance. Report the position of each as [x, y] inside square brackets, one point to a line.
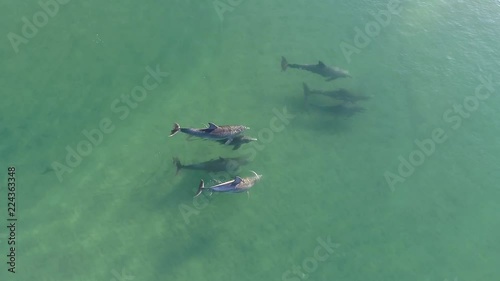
[232, 135]
[227, 135]
[346, 99]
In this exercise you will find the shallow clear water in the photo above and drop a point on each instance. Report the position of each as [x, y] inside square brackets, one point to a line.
[406, 190]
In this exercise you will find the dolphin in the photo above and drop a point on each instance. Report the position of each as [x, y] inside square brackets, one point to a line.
[320, 68]
[233, 186]
[215, 165]
[212, 132]
[339, 94]
[237, 141]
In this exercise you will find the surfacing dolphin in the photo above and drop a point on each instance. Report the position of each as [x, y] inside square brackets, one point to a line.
[233, 186]
[331, 73]
[339, 94]
[212, 132]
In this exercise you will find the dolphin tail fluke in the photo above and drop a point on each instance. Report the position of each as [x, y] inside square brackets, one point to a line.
[200, 188]
[284, 64]
[175, 129]
[178, 165]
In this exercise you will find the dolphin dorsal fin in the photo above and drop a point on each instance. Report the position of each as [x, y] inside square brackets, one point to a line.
[236, 181]
[320, 63]
[212, 126]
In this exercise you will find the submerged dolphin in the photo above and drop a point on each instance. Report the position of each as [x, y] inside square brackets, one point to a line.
[215, 165]
[212, 132]
[234, 186]
[330, 72]
[237, 141]
[339, 94]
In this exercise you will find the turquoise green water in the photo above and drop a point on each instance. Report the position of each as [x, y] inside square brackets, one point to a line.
[123, 214]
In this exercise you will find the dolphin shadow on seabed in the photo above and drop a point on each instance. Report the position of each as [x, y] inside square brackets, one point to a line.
[229, 165]
[340, 103]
